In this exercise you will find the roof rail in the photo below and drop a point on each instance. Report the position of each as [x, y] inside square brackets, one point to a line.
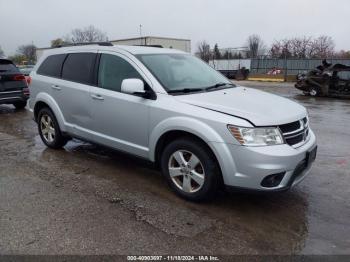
[86, 43]
[158, 46]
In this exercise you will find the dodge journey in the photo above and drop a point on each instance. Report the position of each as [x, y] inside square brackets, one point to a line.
[173, 109]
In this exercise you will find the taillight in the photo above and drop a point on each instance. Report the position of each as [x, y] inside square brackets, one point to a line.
[26, 91]
[18, 78]
[29, 80]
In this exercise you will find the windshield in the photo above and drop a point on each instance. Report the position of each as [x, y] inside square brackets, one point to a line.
[183, 72]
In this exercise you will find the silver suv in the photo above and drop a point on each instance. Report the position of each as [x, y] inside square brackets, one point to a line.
[172, 109]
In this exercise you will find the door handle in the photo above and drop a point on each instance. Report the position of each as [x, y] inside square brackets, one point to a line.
[97, 97]
[56, 87]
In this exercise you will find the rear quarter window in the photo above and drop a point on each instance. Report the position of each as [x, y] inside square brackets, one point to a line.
[79, 68]
[52, 66]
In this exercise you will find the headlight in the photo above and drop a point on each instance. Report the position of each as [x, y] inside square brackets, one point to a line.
[264, 136]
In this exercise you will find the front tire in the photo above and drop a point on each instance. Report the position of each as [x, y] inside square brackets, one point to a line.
[191, 169]
[49, 130]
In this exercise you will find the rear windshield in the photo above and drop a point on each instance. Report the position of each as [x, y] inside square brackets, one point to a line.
[7, 66]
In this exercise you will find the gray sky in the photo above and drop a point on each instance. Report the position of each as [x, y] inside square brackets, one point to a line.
[227, 22]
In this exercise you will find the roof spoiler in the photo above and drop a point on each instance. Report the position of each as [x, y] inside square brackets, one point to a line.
[87, 43]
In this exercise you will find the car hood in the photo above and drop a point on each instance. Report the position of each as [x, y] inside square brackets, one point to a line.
[258, 107]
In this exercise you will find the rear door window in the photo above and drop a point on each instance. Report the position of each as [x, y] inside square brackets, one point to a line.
[79, 68]
[52, 66]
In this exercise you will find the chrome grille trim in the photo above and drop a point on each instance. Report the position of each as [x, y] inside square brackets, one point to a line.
[291, 137]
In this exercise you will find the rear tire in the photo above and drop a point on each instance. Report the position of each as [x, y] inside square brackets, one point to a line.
[190, 169]
[49, 129]
[20, 105]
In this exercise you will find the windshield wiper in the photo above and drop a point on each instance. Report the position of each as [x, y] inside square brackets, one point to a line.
[185, 90]
[217, 86]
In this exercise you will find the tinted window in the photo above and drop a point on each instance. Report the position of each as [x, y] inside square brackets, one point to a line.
[52, 66]
[7, 66]
[113, 70]
[79, 68]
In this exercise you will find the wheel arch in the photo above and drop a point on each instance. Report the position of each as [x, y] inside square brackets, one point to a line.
[177, 127]
[44, 100]
[172, 135]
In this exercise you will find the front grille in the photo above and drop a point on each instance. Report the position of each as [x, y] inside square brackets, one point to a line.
[286, 128]
[295, 133]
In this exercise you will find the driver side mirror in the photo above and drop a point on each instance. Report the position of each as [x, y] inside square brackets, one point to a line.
[133, 86]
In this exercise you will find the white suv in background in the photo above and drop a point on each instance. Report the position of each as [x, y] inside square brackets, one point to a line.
[173, 109]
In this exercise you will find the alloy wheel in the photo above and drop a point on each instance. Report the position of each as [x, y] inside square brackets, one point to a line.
[47, 128]
[186, 171]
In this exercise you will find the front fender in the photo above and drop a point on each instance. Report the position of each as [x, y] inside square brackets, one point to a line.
[47, 99]
[190, 125]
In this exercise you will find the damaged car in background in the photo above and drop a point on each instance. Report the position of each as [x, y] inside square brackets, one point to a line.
[326, 80]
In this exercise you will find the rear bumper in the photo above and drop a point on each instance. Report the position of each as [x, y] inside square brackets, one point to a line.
[246, 167]
[10, 98]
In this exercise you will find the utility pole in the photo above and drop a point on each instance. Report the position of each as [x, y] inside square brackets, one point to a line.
[285, 65]
[141, 33]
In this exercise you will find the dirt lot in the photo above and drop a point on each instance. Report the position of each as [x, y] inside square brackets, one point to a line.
[90, 200]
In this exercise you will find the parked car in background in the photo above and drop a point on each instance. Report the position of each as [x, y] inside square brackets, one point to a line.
[13, 85]
[175, 110]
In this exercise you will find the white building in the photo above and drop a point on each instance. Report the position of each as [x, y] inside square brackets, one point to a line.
[166, 42]
[40, 51]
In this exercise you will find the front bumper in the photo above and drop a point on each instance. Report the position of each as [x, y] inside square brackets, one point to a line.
[246, 167]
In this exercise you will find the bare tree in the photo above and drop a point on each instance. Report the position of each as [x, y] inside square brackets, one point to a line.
[2, 54]
[323, 47]
[256, 46]
[203, 50]
[86, 35]
[57, 42]
[342, 54]
[281, 49]
[303, 47]
[28, 51]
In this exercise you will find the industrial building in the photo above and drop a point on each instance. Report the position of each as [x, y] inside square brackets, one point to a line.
[166, 42]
